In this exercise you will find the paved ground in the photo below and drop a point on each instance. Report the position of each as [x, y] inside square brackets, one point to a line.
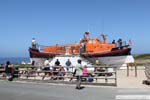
[34, 91]
[128, 88]
[44, 91]
[131, 81]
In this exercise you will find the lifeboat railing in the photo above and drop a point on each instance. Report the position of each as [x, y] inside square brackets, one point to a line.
[41, 47]
[124, 44]
[61, 51]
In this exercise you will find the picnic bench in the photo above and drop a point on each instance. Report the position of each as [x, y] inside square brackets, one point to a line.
[33, 72]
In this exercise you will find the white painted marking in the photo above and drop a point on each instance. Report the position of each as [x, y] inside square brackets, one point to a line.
[134, 91]
[132, 97]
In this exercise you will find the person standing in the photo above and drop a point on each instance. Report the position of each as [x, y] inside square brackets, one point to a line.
[78, 73]
[33, 43]
[57, 63]
[113, 42]
[56, 67]
[33, 63]
[68, 64]
[120, 43]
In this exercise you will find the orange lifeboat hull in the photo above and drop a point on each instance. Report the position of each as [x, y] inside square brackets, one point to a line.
[87, 47]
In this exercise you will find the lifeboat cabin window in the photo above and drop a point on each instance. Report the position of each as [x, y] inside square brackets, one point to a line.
[91, 41]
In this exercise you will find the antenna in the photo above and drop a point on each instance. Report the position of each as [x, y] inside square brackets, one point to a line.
[104, 37]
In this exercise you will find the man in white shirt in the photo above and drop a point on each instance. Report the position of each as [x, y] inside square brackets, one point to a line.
[46, 68]
[78, 73]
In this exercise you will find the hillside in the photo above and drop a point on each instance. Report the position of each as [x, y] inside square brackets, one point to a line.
[142, 58]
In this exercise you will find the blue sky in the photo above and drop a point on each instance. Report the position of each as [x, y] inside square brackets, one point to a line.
[65, 21]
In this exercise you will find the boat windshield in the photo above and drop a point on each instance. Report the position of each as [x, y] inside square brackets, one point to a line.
[92, 41]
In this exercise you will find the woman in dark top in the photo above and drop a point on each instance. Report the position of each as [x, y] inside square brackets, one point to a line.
[7, 69]
[57, 63]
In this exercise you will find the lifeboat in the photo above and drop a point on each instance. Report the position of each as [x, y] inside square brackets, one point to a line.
[87, 47]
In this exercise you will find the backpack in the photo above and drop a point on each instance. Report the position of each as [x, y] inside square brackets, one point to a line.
[90, 79]
[10, 78]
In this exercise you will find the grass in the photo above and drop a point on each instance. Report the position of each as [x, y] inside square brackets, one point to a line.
[23, 65]
[142, 59]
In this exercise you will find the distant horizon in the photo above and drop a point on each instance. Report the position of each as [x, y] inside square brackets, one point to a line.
[29, 57]
[14, 60]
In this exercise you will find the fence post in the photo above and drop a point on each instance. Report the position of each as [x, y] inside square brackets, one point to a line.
[116, 76]
[106, 71]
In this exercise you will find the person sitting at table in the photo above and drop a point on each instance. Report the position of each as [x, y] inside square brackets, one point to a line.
[57, 62]
[46, 68]
[86, 75]
[61, 72]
